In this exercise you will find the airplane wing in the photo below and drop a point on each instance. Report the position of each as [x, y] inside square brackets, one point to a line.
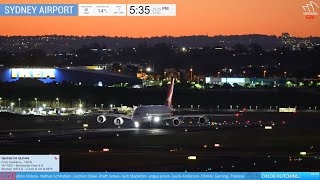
[176, 120]
[110, 115]
[203, 115]
[124, 116]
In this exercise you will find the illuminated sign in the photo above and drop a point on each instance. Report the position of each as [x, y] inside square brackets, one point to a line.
[32, 73]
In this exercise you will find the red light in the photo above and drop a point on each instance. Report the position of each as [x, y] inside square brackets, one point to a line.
[237, 115]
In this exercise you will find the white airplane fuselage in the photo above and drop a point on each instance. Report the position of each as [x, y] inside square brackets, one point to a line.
[151, 113]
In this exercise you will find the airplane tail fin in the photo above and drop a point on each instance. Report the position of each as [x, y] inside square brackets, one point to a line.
[170, 94]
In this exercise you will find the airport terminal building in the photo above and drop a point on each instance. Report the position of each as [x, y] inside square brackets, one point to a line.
[84, 75]
[250, 81]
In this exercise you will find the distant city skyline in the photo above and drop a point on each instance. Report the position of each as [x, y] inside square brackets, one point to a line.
[201, 17]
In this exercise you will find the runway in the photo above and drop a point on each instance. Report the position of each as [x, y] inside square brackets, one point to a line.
[244, 144]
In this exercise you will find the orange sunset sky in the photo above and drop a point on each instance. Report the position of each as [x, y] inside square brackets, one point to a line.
[194, 17]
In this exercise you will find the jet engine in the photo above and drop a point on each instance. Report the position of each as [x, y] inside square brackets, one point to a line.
[101, 119]
[176, 122]
[118, 121]
[203, 119]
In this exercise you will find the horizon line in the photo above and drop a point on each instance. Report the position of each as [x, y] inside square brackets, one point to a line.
[150, 37]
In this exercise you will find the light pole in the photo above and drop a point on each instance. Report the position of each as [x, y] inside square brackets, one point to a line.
[285, 74]
[57, 99]
[111, 106]
[191, 75]
[80, 101]
[44, 106]
[0, 101]
[230, 71]
[264, 73]
[19, 102]
[12, 104]
[36, 99]
[102, 106]
[141, 72]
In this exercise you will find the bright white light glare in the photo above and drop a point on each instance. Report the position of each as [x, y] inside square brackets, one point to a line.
[40, 109]
[208, 80]
[136, 124]
[192, 157]
[85, 125]
[303, 153]
[216, 145]
[156, 119]
[105, 149]
[268, 127]
[149, 117]
[100, 84]
[79, 111]
[148, 69]
[233, 80]
[63, 109]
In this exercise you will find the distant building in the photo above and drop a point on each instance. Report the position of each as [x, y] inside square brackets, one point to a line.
[287, 40]
[172, 73]
[248, 81]
[82, 75]
[296, 43]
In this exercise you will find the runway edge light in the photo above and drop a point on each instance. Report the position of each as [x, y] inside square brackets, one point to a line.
[303, 153]
[268, 127]
[192, 157]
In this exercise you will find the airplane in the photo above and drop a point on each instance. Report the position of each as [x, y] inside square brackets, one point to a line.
[155, 114]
